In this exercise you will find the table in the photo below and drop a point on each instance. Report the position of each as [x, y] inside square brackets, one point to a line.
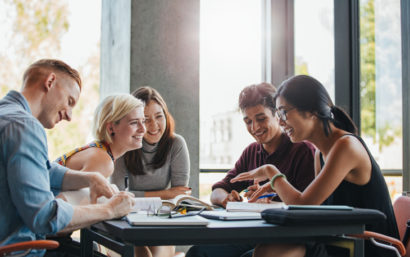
[119, 236]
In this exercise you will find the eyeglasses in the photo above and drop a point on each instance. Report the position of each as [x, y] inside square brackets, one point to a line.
[166, 212]
[282, 113]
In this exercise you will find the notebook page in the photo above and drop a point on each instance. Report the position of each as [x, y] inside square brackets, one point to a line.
[252, 207]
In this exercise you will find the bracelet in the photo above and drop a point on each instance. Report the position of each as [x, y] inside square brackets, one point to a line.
[274, 178]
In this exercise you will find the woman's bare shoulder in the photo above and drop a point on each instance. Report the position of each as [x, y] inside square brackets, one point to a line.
[96, 159]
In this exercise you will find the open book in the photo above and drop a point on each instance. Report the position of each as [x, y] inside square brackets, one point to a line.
[252, 207]
[82, 197]
[188, 201]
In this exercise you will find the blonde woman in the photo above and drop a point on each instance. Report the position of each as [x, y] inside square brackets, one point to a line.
[118, 127]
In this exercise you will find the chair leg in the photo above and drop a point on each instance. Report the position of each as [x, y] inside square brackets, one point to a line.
[406, 234]
[394, 249]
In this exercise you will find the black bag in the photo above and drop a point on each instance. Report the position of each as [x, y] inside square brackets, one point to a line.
[322, 216]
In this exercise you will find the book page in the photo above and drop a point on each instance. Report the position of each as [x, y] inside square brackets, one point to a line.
[150, 204]
[82, 197]
[177, 199]
[77, 197]
[252, 207]
[190, 200]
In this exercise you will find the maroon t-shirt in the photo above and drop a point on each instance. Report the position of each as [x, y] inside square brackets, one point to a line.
[295, 160]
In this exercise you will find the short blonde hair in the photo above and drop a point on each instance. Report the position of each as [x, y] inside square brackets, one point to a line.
[112, 109]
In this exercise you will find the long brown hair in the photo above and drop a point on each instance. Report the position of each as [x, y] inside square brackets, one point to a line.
[133, 159]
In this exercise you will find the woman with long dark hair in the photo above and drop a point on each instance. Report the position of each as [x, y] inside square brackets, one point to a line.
[346, 172]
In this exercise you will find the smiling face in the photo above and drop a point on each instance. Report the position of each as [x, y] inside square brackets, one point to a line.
[297, 125]
[262, 125]
[130, 130]
[63, 93]
[155, 122]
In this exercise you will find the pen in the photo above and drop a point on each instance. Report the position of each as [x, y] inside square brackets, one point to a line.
[179, 215]
[126, 183]
[268, 195]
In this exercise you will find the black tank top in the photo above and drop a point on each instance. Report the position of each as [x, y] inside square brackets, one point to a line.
[373, 195]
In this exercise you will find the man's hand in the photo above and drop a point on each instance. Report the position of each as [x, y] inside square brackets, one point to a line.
[99, 186]
[259, 192]
[120, 204]
[251, 190]
[233, 196]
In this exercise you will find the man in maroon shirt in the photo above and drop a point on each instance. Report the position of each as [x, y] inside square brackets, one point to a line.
[272, 146]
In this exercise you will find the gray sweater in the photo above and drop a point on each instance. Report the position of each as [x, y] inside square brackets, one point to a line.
[175, 171]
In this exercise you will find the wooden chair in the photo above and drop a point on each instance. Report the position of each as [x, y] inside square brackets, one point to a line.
[402, 213]
[7, 250]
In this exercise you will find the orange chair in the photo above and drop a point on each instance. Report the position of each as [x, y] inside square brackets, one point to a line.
[401, 208]
[402, 211]
[27, 247]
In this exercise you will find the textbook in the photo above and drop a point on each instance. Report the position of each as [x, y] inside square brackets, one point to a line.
[252, 207]
[188, 201]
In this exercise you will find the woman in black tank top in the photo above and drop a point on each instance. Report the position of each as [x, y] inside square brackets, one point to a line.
[346, 172]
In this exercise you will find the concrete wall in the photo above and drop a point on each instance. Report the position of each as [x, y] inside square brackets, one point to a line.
[115, 47]
[156, 43]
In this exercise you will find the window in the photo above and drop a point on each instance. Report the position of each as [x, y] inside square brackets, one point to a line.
[381, 104]
[50, 29]
[230, 59]
[314, 41]
[381, 85]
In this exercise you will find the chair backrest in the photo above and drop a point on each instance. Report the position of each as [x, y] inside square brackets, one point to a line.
[402, 213]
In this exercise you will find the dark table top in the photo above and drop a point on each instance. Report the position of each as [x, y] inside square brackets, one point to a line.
[220, 232]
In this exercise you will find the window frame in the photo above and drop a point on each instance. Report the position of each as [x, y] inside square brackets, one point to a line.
[279, 21]
[405, 32]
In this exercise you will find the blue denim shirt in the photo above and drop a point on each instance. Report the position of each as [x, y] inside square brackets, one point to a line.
[28, 181]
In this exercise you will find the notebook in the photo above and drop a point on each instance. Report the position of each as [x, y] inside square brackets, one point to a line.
[252, 207]
[141, 219]
[224, 215]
